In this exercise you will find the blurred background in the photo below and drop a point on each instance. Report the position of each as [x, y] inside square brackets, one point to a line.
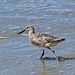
[17, 55]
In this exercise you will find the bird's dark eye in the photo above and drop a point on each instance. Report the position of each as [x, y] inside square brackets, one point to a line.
[27, 27]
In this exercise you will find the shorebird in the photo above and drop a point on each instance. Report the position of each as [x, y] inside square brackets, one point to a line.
[42, 40]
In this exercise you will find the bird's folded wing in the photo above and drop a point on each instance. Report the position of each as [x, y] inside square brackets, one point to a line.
[44, 38]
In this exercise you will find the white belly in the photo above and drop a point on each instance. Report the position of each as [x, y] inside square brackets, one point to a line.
[51, 44]
[45, 45]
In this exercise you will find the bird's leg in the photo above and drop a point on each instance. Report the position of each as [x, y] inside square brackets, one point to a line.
[53, 53]
[42, 54]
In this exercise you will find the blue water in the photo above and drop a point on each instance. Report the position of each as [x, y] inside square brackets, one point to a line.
[17, 55]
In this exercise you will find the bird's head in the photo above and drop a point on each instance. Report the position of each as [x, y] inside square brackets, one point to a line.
[28, 28]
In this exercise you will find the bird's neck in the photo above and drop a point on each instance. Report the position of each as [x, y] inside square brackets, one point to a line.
[31, 32]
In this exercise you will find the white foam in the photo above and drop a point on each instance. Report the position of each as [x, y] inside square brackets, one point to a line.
[49, 28]
[2, 37]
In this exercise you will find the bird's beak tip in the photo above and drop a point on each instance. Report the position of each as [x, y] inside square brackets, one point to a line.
[21, 32]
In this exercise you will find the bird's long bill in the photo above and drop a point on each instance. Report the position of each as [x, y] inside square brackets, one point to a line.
[21, 32]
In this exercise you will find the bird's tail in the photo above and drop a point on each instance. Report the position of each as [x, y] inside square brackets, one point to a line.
[61, 39]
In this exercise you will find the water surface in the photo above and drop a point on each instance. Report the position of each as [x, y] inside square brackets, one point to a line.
[17, 55]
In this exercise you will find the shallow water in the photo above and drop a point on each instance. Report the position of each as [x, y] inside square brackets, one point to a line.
[17, 55]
